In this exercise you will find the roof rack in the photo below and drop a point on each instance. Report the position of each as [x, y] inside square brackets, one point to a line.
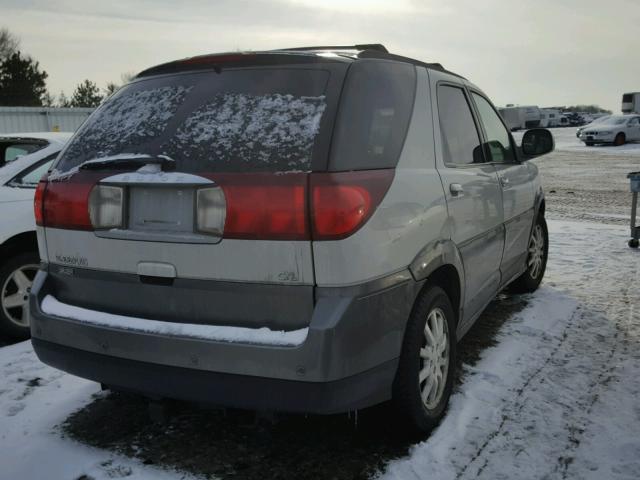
[378, 47]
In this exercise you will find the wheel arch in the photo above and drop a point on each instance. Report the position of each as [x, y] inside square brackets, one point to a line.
[19, 243]
[440, 264]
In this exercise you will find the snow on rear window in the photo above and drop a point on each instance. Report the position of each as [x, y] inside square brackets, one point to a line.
[130, 119]
[232, 130]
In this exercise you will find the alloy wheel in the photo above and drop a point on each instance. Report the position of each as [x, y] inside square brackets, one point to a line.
[15, 294]
[434, 359]
[536, 252]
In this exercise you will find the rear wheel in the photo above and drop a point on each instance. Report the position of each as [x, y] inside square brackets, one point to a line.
[425, 372]
[537, 254]
[620, 140]
[16, 277]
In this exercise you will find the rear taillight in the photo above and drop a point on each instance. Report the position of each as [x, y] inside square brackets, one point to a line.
[299, 206]
[38, 202]
[66, 204]
[342, 202]
[106, 205]
[265, 206]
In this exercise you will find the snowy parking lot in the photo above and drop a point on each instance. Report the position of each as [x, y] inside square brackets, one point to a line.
[549, 382]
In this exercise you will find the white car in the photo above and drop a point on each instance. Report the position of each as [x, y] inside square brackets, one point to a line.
[593, 123]
[24, 158]
[616, 130]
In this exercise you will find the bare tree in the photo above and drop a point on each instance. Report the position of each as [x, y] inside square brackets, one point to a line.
[9, 43]
[126, 77]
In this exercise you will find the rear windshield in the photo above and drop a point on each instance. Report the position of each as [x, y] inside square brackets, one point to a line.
[261, 119]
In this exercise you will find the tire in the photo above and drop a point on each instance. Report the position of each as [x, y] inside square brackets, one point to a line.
[634, 243]
[536, 263]
[620, 140]
[432, 308]
[589, 144]
[16, 276]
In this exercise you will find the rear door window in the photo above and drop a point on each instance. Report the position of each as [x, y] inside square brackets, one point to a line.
[251, 119]
[460, 139]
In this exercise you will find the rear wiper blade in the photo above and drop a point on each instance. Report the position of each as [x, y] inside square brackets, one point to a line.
[127, 161]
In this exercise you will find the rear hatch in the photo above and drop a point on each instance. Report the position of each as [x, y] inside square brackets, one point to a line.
[188, 196]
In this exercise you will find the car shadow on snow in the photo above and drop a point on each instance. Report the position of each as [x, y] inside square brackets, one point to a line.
[236, 444]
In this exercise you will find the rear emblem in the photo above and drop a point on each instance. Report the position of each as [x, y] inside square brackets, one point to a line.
[72, 260]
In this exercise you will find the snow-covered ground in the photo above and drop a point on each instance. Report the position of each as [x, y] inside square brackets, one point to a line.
[555, 397]
[34, 400]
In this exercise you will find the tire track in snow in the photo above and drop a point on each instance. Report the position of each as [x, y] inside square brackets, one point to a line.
[517, 404]
[591, 347]
[619, 351]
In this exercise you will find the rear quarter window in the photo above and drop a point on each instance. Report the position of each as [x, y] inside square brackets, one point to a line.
[374, 114]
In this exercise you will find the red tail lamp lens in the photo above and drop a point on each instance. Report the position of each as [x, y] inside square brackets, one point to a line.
[342, 202]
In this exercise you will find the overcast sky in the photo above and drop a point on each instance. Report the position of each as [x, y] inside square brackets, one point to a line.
[543, 52]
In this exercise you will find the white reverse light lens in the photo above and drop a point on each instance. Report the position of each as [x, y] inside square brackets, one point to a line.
[105, 206]
[211, 210]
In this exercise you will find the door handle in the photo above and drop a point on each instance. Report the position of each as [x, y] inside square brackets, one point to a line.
[504, 181]
[456, 190]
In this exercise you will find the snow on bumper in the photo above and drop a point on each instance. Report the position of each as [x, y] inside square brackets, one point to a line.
[258, 336]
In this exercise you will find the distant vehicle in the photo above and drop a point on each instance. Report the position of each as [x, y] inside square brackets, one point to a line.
[550, 117]
[594, 122]
[631, 102]
[564, 121]
[521, 117]
[26, 157]
[616, 130]
[15, 145]
[575, 119]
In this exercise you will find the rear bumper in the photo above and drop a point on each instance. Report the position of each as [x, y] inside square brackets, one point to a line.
[347, 361]
[237, 391]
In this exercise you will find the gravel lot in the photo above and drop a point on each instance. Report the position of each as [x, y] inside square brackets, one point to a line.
[588, 183]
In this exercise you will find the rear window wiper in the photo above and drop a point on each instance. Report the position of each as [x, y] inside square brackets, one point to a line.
[128, 161]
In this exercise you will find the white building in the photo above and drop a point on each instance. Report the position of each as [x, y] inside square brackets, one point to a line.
[41, 119]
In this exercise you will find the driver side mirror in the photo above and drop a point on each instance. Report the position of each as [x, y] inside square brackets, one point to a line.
[536, 142]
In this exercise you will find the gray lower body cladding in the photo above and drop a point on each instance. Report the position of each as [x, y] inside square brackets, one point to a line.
[251, 305]
[347, 361]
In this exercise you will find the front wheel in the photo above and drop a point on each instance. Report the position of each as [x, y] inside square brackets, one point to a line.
[424, 378]
[620, 140]
[16, 277]
[536, 265]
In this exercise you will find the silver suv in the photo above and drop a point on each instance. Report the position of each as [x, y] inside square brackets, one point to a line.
[305, 230]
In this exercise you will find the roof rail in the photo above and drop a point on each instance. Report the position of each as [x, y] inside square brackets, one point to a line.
[378, 47]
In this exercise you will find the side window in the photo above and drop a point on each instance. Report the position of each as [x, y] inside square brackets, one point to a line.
[460, 139]
[31, 176]
[498, 141]
[12, 152]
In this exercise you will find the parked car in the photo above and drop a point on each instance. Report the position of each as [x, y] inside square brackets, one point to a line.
[27, 158]
[593, 123]
[285, 230]
[616, 130]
